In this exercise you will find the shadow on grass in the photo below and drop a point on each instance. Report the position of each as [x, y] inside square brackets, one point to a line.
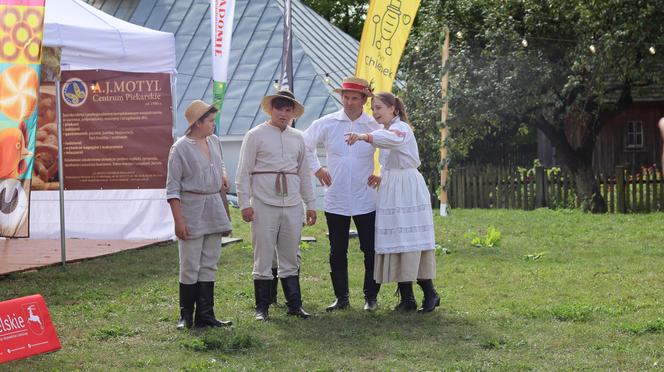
[353, 334]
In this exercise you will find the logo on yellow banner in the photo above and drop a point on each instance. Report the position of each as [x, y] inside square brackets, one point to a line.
[384, 37]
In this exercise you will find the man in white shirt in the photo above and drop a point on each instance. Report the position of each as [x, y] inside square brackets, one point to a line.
[350, 187]
[273, 181]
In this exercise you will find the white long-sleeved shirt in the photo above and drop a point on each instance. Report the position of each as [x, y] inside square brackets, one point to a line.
[349, 166]
[398, 147]
[266, 148]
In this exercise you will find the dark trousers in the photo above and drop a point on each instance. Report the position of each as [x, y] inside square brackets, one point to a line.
[338, 226]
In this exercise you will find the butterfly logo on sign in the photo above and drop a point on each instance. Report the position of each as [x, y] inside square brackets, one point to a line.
[74, 92]
[34, 319]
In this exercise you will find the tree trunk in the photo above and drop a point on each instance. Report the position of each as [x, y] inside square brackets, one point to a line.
[587, 190]
[579, 161]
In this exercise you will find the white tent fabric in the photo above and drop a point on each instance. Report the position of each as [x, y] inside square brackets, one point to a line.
[102, 214]
[92, 39]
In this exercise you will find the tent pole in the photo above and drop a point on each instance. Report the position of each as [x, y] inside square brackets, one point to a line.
[174, 107]
[61, 177]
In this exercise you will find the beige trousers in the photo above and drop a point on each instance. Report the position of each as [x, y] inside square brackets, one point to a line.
[279, 227]
[199, 258]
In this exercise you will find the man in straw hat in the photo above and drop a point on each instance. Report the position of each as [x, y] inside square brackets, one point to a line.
[196, 190]
[273, 180]
[351, 187]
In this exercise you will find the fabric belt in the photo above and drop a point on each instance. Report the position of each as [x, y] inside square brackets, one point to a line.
[280, 184]
[202, 193]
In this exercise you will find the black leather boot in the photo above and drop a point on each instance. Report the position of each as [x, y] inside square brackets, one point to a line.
[275, 287]
[187, 301]
[340, 285]
[371, 289]
[431, 298]
[262, 292]
[407, 297]
[205, 307]
[291, 286]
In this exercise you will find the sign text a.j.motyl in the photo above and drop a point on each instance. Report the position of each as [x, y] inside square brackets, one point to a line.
[26, 329]
[116, 129]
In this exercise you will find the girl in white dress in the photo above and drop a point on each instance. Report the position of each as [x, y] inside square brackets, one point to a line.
[405, 240]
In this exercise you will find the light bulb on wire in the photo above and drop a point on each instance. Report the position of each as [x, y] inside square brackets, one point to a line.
[652, 50]
[459, 35]
[417, 48]
[524, 42]
[276, 84]
[327, 78]
[592, 49]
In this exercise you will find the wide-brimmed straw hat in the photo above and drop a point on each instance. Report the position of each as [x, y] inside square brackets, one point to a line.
[196, 110]
[266, 102]
[354, 84]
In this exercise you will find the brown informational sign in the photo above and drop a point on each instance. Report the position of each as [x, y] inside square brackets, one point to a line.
[116, 129]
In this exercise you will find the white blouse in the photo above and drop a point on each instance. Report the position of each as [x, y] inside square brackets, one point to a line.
[398, 146]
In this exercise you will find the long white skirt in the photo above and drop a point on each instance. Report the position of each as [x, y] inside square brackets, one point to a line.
[405, 237]
[404, 220]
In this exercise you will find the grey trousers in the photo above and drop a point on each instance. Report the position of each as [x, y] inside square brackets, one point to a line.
[279, 227]
[199, 258]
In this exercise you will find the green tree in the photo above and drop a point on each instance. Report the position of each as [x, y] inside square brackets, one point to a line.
[348, 15]
[583, 62]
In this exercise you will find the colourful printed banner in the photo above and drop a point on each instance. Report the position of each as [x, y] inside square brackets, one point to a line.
[222, 13]
[21, 28]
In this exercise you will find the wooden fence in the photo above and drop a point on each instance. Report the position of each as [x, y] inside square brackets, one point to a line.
[499, 187]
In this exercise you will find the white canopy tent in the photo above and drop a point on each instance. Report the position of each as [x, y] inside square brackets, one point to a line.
[92, 39]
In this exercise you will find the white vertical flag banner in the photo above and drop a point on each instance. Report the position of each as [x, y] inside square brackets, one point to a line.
[222, 12]
[287, 52]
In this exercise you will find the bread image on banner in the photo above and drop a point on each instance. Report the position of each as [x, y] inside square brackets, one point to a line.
[45, 168]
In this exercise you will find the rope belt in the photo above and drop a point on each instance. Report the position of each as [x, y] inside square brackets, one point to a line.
[280, 184]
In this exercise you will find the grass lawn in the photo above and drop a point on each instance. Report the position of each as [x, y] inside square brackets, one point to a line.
[562, 290]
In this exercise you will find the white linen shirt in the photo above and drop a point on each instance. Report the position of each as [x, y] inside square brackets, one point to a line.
[349, 166]
[267, 148]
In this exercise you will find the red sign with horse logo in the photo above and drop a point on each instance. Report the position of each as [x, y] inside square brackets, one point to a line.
[26, 329]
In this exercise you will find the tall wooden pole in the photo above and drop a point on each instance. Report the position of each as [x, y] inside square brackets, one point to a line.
[444, 132]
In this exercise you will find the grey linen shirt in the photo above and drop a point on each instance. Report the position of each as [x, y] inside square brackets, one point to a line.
[196, 182]
[266, 148]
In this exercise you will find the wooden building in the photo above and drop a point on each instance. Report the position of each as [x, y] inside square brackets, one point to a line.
[630, 138]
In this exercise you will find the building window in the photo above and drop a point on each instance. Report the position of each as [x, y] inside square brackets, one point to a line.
[634, 137]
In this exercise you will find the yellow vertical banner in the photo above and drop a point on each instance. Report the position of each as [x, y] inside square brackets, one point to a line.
[384, 36]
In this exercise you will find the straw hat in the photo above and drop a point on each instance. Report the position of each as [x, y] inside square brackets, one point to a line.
[266, 102]
[195, 110]
[355, 84]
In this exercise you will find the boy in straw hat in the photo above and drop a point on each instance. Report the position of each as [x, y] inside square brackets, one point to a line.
[351, 187]
[273, 180]
[195, 190]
